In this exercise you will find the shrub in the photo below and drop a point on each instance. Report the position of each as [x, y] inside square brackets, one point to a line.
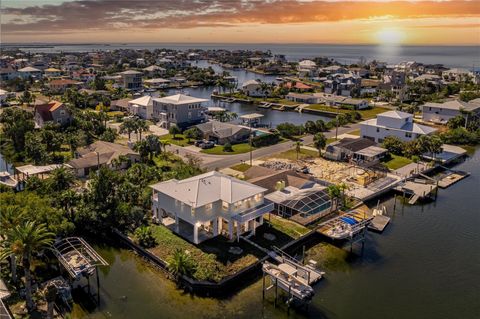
[227, 147]
[144, 237]
[181, 263]
[265, 140]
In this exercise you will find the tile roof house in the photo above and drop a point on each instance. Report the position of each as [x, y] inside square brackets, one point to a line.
[102, 153]
[209, 205]
[222, 133]
[393, 123]
[52, 111]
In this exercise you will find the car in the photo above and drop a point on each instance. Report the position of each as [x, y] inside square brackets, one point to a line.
[207, 144]
[198, 143]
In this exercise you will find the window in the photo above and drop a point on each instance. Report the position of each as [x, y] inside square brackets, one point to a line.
[378, 129]
[208, 206]
[408, 134]
[225, 205]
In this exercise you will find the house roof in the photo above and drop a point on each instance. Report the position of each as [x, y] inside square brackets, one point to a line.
[100, 152]
[179, 99]
[143, 101]
[152, 68]
[130, 72]
[157, 80]
[250, 82]
[298, 85]
[456, 105]
[409, 127]
[64, 82]
[122, 103]
[45, 109]
[354, 144]
[220, 129]
[29, 69]
[395, 114]
[207, 188]
[268, 178]
[52, 70]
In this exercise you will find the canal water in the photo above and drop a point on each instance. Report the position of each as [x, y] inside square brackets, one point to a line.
[425, 265]
[271, 117]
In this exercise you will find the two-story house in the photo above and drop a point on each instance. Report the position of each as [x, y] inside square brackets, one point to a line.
[180, 109]
[208, 205]
[393, 123]
[442, 112]
[52, 111]
[131, 80]
[142, 107]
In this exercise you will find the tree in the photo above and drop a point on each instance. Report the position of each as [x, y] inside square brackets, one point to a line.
[174, 130]
[311, 127]
[394, 145]
[193, 133]
[181, 263]
[319, 141]
[16, 124]
[298, 147]
[144, 236]
[35, 148]
[128, 126]
[320, 124]
[60, 179]
[141, 126]
[225, 116]
[154, 146]
[227, 147]
[9, 218]
[109, 135]
[23, 240]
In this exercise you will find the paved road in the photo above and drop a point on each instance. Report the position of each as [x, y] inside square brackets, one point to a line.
[211, 162]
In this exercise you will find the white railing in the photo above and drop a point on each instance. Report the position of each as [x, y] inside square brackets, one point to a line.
[254, 213]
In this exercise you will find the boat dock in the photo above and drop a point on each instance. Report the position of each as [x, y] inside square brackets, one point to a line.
[451, 177]
[345, 226]
[418, 188]
[379, 223]
[290, 276]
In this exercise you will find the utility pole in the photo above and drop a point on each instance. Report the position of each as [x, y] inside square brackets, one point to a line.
[336, 127]
[251, 146]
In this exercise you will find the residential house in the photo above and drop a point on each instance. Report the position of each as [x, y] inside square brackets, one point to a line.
[131, 80]
[208, 205]
[369, 87]
[295, 196]
[8, 73]
[100, 153]
[60, 85]
[52, 72]
[29, 72]
[3, 96]
[157, 83]
[302, 98]
[142, 107]
[393, 123]
[222, 133]
[253, 88]
[180, 109]
[341, 102]
[359, 150]
[458, 75]
[52, 111]
[154, 70]
[120, 105]
[442, 112]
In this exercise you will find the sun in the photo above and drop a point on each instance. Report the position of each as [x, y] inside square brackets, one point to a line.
[390, 36]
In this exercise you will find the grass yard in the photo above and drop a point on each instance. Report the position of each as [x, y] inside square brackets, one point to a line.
[292, 154]
[212, 258]
[286, 226]
[355, 132]
[179, 139]
[237, 149]
[366, 114]
[396, 162]
[241, 167]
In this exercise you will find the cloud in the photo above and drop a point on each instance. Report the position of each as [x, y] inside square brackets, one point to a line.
[148, 15]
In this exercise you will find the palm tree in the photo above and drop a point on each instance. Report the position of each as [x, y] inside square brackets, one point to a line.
[9, 218]
[154, 146]
[320, 141]
[23, 240]
[265, 87]
[298, 147]
[142, 126]
[61, 179]
[180, 263]
[128, 126]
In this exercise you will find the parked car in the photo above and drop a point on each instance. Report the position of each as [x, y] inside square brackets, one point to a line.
[198, 142]
[207, 144]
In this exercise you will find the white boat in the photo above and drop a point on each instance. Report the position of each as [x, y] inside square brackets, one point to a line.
[288, 282]
[7, 179]
[345, 226]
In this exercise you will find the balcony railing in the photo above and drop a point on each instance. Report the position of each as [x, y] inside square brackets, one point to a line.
[255, 212]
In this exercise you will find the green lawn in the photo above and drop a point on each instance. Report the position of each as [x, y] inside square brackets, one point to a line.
[237, 149]
[286, 226]
[241, 167]
[366, 114]
[212, 258]
[179, 139]
[292, 154]
[397, 161]
[355, 132]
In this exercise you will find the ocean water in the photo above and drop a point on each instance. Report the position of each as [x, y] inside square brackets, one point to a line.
[451, 56]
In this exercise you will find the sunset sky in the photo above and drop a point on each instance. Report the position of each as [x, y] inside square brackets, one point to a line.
[452, 22]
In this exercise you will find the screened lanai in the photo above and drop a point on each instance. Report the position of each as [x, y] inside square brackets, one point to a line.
[302, 205]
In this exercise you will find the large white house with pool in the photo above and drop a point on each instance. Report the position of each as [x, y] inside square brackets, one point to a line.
[208, 205]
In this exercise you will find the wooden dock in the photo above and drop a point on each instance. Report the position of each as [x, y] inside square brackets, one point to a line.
[379, 223]
[451, 178]
[417, 189]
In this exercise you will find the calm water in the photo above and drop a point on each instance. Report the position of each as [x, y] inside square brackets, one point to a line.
[425, 265]
[270, 116]
[453, 56]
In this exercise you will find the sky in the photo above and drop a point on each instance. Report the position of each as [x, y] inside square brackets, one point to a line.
[384, 22]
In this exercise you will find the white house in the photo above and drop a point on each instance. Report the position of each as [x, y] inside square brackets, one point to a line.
[442, 112]
[179, 109]
[131, 79]
[208, 205]
[252, 88]
[306, 65]
[29, 71]
[143, 107]
[393, 123]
